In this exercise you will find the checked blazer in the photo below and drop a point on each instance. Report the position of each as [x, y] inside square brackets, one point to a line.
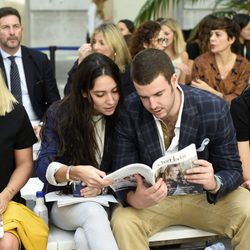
[204, 116]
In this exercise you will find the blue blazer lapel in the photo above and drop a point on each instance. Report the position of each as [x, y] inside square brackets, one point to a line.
[189, 123]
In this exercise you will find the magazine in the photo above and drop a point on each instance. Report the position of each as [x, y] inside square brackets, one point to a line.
[69, 199]
[1, 226]
[170, 167]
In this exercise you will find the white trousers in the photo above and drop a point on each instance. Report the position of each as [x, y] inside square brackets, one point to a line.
[90, 222]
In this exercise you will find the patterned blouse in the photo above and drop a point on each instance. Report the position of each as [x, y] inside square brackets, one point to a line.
[206, 69]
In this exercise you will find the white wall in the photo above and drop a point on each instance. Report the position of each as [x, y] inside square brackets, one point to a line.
[126, 9]
[57, 22]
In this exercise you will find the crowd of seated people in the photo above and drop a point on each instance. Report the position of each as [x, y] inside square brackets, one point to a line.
[125, 82]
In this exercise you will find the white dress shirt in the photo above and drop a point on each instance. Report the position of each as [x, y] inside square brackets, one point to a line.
[173, 147]
[25, 95]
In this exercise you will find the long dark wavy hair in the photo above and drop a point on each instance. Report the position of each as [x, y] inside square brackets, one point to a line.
[73, 114]
[201, 33]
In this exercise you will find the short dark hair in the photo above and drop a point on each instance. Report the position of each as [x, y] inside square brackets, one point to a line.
[231, 28]
[7, 11]
[149, 64]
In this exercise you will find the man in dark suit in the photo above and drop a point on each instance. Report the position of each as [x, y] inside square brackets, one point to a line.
[189, 116]
[38, 83]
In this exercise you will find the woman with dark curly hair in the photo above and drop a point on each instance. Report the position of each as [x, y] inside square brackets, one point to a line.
[148, 35]
[76, 146]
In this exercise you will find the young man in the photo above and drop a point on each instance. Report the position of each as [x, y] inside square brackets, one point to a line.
[190, 116]
[38, 84]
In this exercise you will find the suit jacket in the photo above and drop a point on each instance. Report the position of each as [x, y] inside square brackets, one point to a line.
[40, 79]
[204, 116]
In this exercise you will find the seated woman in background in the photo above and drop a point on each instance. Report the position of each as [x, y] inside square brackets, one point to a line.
[176, 48]
[16, 165]
[147, 35]
[76, 144]
[127, 28]
[107, 40]
[243, 20]
[222, 71]
[240, 111]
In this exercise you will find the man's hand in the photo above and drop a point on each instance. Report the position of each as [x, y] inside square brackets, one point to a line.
[202, 174]
[144, 197]
[246, 184]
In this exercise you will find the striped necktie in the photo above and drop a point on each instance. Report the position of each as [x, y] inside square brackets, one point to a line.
[166, 138]
[15, 81]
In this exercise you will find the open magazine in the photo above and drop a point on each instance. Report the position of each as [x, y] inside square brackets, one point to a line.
[170, 167]
[1, 226]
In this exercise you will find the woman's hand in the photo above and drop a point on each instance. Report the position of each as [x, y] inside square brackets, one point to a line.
[84, 51]
[198, 83]
[92, 177]
[90, 191]
[4, 200]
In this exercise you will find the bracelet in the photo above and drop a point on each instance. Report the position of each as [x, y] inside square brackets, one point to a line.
[67, 173]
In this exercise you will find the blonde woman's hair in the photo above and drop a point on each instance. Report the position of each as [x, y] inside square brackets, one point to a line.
[6, 98]
[114, 39]
[179, 42]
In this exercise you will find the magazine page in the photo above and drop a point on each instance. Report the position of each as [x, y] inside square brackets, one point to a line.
[1, 226]
[69, 199]
[124, 177]
[172, 167]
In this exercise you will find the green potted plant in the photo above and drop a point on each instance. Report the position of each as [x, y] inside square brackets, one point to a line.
[156, 8]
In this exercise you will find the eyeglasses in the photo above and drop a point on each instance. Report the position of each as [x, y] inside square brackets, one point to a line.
[160, 41]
